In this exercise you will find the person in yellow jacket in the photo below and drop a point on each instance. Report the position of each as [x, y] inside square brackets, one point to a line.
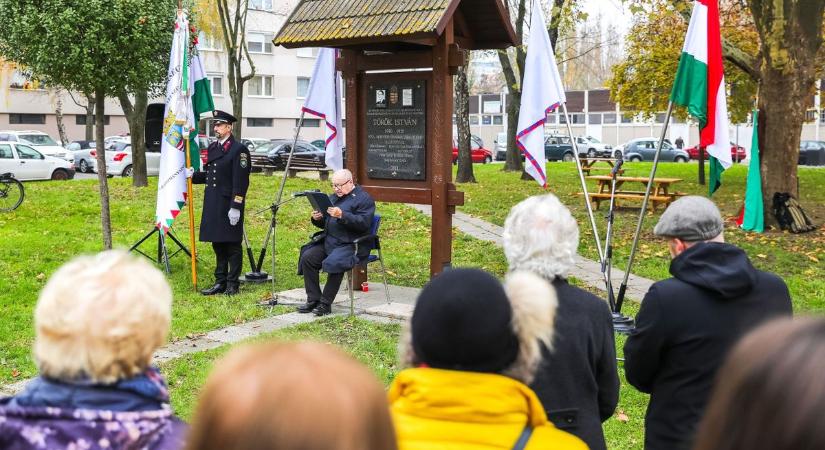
[470, 350]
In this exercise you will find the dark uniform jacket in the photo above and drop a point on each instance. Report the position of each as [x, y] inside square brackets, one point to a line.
[578, 382]
[685, 328]
[358, 210]
[226, 176]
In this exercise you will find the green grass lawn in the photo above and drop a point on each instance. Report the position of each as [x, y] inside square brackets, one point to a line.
[59, 220]
[799, 259]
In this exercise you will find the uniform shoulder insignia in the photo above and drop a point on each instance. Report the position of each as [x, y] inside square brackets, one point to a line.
[244, 160]
[238, 199]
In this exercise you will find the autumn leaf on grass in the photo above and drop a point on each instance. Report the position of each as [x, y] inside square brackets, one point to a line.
[761, 256]
[621, 416]
[15, 373]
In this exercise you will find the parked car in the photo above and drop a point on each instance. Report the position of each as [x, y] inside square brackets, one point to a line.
[737, 152]
[251, 143]
[320, 143]
[644, 149]
[559, 147]
[592, 147]
[478, 153]
[119, 160]
[82, 154]
[108, 141]
[26, 163]
[259, 156]
[501, 146]
[812, 153]
[39, 140]
[305, 155]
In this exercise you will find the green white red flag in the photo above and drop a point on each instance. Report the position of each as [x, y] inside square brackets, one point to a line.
[700, 86]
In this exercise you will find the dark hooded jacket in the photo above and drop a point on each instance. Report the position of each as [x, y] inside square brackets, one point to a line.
[686, 326]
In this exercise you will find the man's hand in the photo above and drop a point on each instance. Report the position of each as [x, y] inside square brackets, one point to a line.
[317, 215]
[234, 216]
[335, 212]
[189, 171]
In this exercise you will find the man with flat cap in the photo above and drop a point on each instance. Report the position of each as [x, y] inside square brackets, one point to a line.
[687, 324]
[226, 176]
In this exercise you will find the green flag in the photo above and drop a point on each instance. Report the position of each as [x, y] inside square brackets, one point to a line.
[754, 218]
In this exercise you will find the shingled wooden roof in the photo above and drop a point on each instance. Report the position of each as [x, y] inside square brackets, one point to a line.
[344, 23]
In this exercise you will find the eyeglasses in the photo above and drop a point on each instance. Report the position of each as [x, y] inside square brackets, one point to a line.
[339, 186]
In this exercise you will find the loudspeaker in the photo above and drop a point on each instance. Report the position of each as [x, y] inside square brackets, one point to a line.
[154, 126]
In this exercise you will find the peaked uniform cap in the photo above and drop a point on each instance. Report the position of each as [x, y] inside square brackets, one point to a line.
[219, 116]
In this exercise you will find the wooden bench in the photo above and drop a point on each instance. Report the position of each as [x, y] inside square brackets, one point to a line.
[323, 173]
[659, 195]
[588, 163]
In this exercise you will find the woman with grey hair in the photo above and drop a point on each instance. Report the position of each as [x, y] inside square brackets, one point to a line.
[577, 381]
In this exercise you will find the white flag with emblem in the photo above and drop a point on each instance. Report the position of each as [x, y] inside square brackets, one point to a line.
[323, 99]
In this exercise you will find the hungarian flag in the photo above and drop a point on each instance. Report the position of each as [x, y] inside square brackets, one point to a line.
[177, 125]
[700, 86]
[541, 93]
[200, 97]
[754, 216]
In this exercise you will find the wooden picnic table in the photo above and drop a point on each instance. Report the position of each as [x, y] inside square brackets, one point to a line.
[660, 194]
[588, 163]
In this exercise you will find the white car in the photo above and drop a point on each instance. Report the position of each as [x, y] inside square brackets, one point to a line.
[119, 160]
[39, 140]
[593, 147]
[26, 163]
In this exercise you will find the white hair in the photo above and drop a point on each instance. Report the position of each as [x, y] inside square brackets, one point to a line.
[541, 236]
[101, 317]
[534, 302]
[342, 174]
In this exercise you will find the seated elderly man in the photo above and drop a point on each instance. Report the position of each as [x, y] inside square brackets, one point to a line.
[331, 250]
[97, 323]
[577, 381]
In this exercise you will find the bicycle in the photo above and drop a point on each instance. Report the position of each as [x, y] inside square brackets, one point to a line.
[11, 192]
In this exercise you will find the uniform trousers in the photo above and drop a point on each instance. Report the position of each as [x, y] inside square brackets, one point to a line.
[311, 261]
[228, 262]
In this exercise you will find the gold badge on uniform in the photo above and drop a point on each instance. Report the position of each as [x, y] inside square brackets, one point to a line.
[238, 199]
[244, 160]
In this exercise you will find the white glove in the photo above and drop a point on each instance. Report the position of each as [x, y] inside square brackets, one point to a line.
[234, 216]
[189, 171]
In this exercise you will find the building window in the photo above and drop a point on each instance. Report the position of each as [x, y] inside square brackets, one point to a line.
[822, 116]
[23, 80]
[473, 119]
[627, 118]
[307, 52]
[27, 119]
[260, 86]
[303, 86]
[206, 42]
[492, 106]
[216, 84]
[259, 42]
[609, 118]
[551, 118]
[498, 120]
[262, 5]
[309, 123]
[660, 117]
[486, 120]
[258, 122]
[80, 119]
[594, 119]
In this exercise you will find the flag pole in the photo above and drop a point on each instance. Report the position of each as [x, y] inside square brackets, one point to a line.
[189, 200]
[584, 185]
[623, 287]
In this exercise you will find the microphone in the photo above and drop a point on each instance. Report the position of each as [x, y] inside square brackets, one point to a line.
[619, 162]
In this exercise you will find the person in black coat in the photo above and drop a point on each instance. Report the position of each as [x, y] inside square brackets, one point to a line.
[687, 324]
[332, 250]
[226, 176]
[577, 380]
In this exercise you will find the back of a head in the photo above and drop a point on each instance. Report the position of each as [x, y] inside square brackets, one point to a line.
[101, 318]
[541, 236]
[770, 393]
[298, 396]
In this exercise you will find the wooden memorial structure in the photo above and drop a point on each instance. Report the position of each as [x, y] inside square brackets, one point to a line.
[397, 60]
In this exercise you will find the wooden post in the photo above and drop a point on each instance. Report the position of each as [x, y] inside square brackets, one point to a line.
[441, 110]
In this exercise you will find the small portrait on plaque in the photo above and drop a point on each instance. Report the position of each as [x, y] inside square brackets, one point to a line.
[407, 97]
[380, 98]
[393, 95]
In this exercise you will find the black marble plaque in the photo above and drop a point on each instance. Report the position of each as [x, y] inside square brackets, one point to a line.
[396, 130]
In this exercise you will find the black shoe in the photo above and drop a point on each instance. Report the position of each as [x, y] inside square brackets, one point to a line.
[232, 290]
[216, 289]
[322, 309]
[307, 307]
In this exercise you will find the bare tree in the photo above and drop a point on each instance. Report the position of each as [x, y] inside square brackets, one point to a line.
[462, 113]
[233, 29]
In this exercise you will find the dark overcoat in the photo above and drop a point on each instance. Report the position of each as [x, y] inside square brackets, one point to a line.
[358, 209]
[226, 176]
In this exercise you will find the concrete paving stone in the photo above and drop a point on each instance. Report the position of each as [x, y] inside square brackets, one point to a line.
[267, 325]
[230, 335]
[382, 319]
[295, 318]
[162, 355]
[188, 346]
[399, 311]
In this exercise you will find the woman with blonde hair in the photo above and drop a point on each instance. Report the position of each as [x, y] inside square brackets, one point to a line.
[98, 321]
[470, 351]
[297, 396]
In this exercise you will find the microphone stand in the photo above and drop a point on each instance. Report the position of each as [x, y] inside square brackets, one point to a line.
[621, 324]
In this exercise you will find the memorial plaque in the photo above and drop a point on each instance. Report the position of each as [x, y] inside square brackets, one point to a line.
[396, 130]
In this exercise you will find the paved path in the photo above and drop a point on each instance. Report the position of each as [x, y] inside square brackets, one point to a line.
[585, 270]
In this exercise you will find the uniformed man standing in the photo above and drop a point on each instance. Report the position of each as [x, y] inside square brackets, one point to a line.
[226, 176]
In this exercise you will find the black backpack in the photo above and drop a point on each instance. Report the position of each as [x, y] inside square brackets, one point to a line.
[789, 214]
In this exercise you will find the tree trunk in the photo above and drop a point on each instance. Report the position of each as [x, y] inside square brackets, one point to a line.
[136, 117]
[90, 118]
[103, 181]
[701, 165]
[58, 114]
[462, 113]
